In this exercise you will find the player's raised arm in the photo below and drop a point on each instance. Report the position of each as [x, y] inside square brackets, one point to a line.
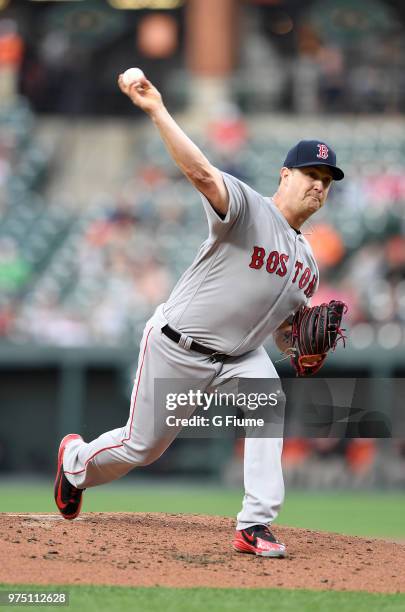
[188, 157]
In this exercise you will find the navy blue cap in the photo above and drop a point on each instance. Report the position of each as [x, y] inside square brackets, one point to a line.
[313, 153]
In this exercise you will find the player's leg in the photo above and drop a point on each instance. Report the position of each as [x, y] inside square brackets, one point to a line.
[105, 458]
[81, 465]
[146, 434]
[263, 476]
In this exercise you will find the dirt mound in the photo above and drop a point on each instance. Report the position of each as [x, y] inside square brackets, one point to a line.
[187, 550]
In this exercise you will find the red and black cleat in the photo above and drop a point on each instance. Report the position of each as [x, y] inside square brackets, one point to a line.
[67, 497]
[258, 540]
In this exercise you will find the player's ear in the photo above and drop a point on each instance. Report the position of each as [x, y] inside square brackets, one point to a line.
[284, 173]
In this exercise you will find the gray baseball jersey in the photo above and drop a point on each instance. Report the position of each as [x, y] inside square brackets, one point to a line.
[252, 272]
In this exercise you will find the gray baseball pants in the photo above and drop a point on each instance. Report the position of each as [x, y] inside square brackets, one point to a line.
[146, 436]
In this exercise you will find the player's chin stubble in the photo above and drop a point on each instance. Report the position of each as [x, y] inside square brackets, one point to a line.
[315, 201]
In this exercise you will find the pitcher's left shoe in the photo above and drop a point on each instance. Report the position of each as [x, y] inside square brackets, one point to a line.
[258, 540]
[67, 497]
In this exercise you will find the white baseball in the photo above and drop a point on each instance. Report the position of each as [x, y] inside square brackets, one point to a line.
[131, 75]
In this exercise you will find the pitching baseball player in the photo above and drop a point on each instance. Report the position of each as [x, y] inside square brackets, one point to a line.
[254, 271]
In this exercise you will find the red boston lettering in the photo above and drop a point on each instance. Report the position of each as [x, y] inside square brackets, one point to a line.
[298, 267]
[277, 263]
[282, 271]
[310, 290]
[305, 278]
[257, 258]
[272, 261]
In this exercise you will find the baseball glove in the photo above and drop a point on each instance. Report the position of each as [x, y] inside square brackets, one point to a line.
[315, 331]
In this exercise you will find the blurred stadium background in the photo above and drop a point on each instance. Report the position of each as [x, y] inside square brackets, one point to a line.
[97, 224]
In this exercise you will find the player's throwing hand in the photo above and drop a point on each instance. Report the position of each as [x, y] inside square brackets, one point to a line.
[142, 93]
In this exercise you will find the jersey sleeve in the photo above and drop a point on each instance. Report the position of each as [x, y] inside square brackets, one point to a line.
[238, 202]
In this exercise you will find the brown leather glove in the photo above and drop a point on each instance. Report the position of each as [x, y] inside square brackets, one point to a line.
[315, 331]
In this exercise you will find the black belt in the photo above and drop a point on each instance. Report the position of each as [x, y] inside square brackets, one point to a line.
[194, 346]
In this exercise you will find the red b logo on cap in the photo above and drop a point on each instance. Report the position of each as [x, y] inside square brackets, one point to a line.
[323, 152]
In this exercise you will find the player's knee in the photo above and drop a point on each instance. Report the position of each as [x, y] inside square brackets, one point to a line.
[139, 455]
[151, 457]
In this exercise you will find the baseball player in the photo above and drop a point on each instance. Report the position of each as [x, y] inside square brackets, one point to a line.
[254, 271]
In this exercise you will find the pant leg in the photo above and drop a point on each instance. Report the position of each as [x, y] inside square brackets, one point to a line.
[263, 476]
[146, 435]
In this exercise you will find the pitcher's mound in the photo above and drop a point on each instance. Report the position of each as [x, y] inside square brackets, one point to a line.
[179, 550]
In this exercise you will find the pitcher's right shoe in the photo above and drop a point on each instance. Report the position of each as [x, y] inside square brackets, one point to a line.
[67, 497]
[258, 540]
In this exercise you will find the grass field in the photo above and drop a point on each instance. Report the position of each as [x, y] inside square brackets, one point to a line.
[366, 514]
[122, 599]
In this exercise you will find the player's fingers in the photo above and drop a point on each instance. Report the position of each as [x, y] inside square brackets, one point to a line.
[134, 90]
[121, 83]
[150, 87]
[142, 83]
[138, 87]
[129, 90]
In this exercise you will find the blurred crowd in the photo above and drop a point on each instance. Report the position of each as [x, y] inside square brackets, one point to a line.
[319, 56]
[330, 57]
[333, 464]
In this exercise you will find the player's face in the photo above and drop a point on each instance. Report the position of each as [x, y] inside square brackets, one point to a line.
[311, 186]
